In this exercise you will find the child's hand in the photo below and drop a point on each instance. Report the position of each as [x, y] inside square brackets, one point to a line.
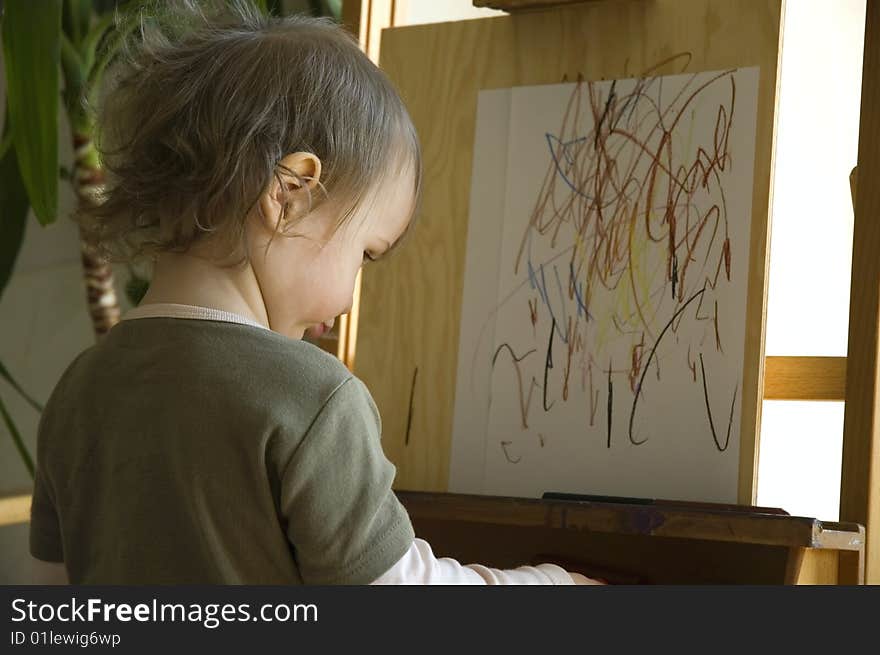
[582, 579]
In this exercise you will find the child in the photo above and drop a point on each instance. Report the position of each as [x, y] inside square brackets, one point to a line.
[259, 162]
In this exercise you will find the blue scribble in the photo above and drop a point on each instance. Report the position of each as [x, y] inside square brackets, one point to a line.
[569, 161]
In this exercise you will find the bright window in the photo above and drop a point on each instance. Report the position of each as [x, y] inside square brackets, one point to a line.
[811, 244]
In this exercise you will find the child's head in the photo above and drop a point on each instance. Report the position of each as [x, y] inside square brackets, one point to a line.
[272, 143]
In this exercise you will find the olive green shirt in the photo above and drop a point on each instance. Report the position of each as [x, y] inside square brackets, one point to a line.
[198, 451]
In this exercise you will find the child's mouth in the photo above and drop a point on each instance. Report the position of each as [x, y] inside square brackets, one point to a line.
[319, 330]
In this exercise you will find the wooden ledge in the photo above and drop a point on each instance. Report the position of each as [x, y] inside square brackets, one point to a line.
[702, 521]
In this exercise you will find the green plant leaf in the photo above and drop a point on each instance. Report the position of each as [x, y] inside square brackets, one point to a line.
[71, 61]
[4, 373]
[76, 18]
[73, 68]
[16, 439]
[329, 8]
[5, 143]
[31, 48]
[334, 9]
[110, 46]
[93, 38]
[13, 213]
[268, 7]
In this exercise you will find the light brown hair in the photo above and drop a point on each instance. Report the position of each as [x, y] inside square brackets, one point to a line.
[205, 101]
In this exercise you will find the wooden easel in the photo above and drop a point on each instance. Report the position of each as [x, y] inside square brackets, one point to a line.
[860, 473]
[474, 528]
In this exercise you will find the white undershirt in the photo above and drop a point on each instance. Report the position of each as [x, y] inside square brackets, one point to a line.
[418, 566]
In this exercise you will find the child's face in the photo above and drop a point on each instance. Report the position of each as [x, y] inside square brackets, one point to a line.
[307, 281]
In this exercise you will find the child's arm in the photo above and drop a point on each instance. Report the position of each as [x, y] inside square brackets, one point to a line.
[418, 566]
[343, 519]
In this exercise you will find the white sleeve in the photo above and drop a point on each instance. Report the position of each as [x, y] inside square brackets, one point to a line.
[418, 566]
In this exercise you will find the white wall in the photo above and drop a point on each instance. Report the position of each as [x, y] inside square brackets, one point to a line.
[412, 12]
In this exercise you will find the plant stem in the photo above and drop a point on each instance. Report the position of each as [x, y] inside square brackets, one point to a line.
[16, 438]
[4, 373]
[88, 176]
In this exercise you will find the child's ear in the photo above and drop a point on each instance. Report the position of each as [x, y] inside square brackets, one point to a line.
[296, 178]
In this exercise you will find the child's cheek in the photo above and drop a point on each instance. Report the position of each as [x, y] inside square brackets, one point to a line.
[343, 290]
[332, 289]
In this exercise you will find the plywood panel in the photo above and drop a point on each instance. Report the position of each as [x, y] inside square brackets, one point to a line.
[410, 311]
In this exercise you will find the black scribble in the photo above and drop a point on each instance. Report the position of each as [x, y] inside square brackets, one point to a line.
[638, 392]
[610, 405]
[718, 445]
[548, 365]
[409, 415]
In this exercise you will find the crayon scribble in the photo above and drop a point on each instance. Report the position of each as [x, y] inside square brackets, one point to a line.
[633, 209]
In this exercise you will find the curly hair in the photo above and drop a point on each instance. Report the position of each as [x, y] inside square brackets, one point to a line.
[203, 103]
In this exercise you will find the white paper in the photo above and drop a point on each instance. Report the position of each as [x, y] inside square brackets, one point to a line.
[609, 214]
